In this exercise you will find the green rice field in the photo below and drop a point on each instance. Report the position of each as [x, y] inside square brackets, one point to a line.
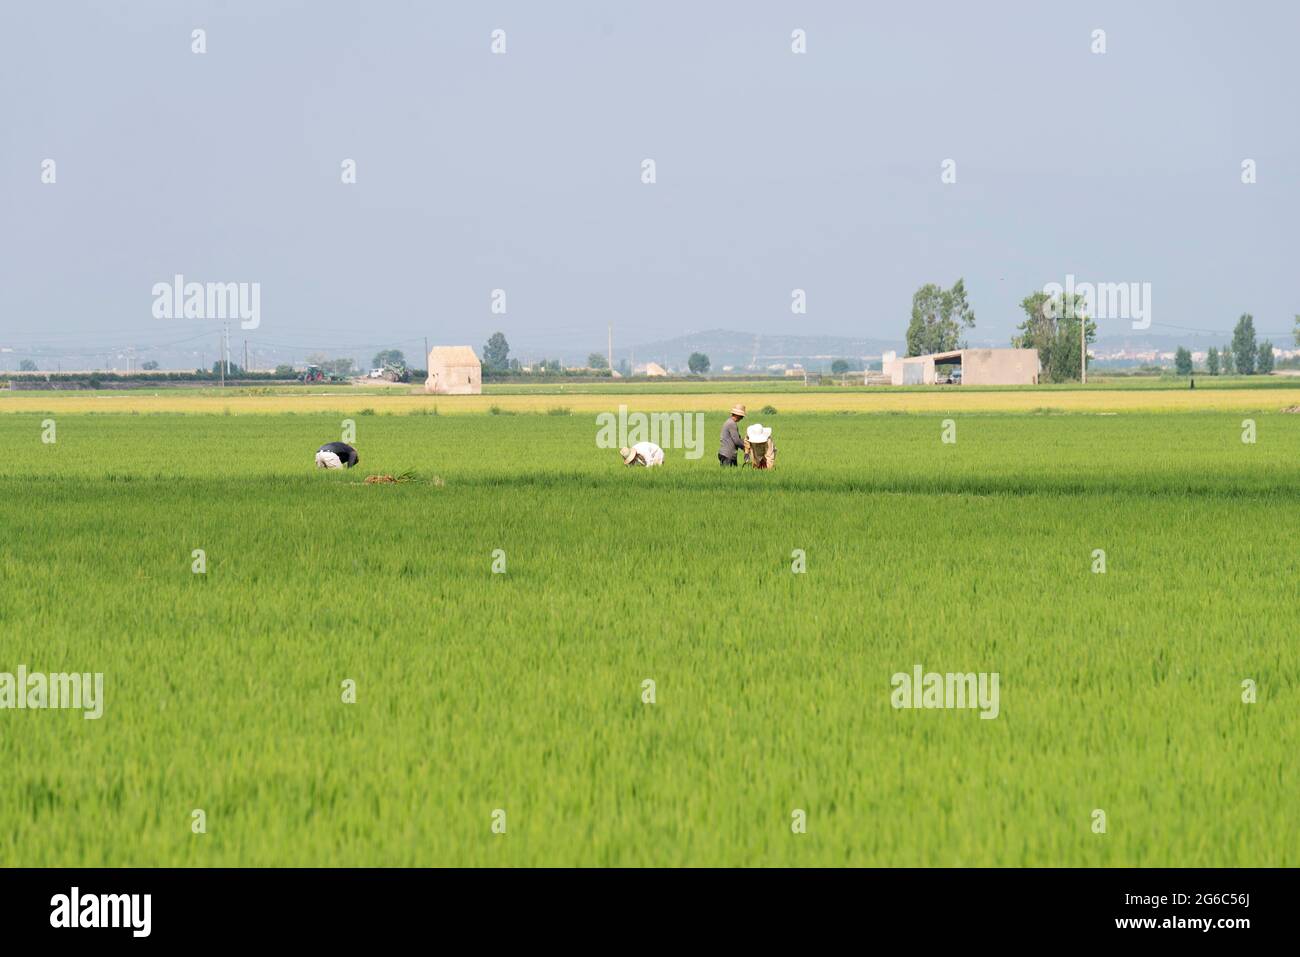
[524, 692]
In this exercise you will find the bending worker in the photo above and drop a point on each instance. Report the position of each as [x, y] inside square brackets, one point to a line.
[336, 455]
[760, 450]
[643, 453]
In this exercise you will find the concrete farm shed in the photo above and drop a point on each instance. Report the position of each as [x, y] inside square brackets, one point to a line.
[454, 370]
[978, 367]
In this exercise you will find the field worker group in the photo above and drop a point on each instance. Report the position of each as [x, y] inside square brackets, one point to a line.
[757, 448]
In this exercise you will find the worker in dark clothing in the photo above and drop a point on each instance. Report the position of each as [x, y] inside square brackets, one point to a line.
[731, 443]
[336, 455]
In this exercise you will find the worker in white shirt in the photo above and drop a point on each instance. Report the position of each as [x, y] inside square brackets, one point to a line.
[643, 453]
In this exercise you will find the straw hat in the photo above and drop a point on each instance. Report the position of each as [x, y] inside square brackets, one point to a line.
[756, 433]
[628, 455]
[738, 410]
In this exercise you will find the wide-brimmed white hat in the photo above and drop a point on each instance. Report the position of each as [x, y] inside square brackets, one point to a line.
[628, 455]
[756, 433]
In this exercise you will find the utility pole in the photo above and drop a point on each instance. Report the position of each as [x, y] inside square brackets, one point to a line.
[245, 355]
[426, 355]
[611, 348]
[1083, 350]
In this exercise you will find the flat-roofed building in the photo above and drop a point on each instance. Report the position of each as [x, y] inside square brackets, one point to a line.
[978, 367]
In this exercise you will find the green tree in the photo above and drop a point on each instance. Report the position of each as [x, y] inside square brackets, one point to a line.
[150, 365]
[340, 367]
[596, 361]
[26, 365]
[394, 357]
[1212, 361]
[1244, 349]
[1227, 361]
[698, 363]
[1052, 327]
[840, 366]
[1183, 361]
[285, 371]
[496, 354]
[938, 317]
[231, 372]
[1264, 361]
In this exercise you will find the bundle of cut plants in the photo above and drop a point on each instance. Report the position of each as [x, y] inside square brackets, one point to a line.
[407, 476]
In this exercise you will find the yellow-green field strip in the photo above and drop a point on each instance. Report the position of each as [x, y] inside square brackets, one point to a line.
[241, 402]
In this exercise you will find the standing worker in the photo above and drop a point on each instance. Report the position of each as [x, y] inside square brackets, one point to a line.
[731, 443]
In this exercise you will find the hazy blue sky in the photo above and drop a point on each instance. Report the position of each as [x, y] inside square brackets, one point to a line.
[775, 171]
